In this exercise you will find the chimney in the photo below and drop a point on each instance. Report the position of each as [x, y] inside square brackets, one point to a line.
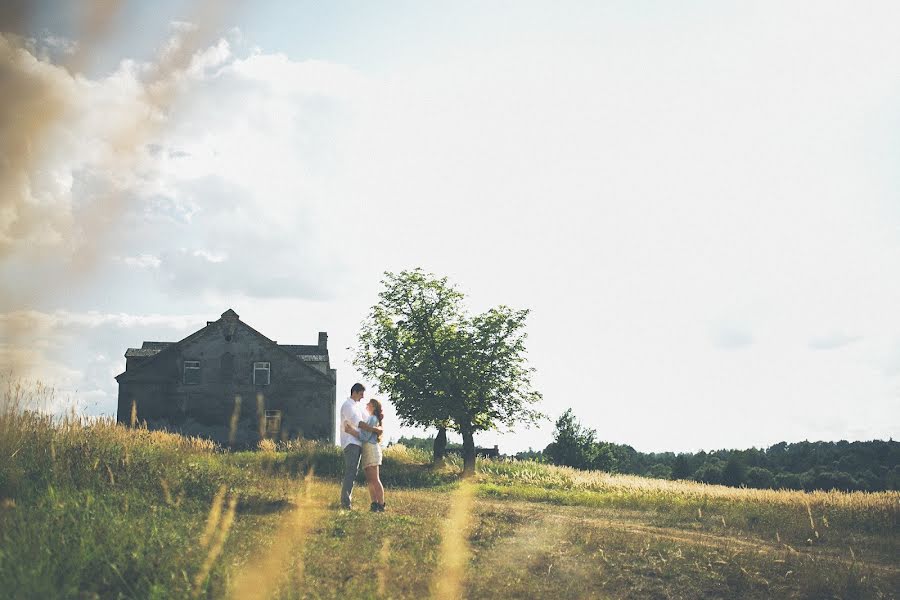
[323, 340]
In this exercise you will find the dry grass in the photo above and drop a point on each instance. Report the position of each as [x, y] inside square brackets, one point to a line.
[450, 576]
[137, 513]
[282, 562]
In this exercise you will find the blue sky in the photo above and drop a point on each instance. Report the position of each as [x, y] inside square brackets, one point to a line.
[699, 203]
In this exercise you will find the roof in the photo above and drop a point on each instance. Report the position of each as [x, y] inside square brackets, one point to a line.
[302, 349]
[303, 353]
[135, 352]
[157, 345]
[147, 349]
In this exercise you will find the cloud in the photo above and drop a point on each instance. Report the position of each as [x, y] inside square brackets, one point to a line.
[224, 173]
[833, 341]
[731, 338]
[142, 261]
[80, 353]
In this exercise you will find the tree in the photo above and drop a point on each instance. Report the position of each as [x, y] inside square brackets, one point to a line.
[760, 478]
[710, 471]
[443, 368]
[573, 444]
[734, 472]
[403, 346]
[681, 469]
[660, 471]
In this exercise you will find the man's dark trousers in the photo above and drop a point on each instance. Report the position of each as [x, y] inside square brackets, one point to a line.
[351, 468]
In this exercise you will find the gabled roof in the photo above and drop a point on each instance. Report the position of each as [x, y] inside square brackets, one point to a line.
[138, 352]
[154, 349]
[156, 345]
[302, 349]
[147, 349]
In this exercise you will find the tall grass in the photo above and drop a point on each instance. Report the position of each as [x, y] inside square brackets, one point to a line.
[88, 506]
[93, 508]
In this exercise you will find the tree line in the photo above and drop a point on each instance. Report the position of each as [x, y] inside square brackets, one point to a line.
[849, 466]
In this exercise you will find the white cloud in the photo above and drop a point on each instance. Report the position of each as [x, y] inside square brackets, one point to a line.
[142, 261]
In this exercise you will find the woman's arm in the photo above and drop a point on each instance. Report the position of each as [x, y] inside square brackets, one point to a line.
[349, 429]
[365, 426]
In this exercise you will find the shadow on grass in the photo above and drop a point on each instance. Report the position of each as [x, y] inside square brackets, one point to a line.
[262, 506]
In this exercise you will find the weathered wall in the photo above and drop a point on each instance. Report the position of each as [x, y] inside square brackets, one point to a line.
[227, 351]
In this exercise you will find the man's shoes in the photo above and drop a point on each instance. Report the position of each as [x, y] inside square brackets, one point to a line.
[380, 507]
[375, 507]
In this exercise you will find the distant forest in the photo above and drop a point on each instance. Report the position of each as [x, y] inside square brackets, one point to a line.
[848, 466]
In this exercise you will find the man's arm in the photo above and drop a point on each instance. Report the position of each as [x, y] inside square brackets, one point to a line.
[366, 427]
[349, 429]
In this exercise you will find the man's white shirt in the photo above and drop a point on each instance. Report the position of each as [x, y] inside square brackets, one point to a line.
[351, 412]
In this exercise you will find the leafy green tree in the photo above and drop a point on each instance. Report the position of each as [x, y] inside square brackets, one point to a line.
[681, 468]
[710, 471]
[660, 471]
[788, 481]
[573, 444]
[443, 368]
[760, 478]
[734, 472]
[405, 346]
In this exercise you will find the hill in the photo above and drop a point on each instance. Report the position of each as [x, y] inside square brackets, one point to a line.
[99, 510]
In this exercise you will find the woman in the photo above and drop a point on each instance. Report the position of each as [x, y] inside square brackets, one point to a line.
[369, 433]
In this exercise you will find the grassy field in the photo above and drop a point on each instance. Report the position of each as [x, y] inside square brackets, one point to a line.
[100, 511]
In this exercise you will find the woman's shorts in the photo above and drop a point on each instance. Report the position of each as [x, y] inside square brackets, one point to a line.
[371, 455]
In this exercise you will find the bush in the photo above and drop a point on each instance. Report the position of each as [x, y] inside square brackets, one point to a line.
[788, 481]
[659, 471]
[710, 471]
[760, 478]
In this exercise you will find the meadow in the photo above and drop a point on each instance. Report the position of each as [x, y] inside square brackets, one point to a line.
[91, 509]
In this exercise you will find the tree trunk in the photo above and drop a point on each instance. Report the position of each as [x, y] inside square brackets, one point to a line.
[440, 446]
[468, 452]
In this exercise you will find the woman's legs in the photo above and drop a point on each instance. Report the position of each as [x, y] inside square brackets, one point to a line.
[371, 479]
[376, 484]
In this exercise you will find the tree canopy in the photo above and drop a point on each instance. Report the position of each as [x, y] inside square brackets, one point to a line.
[442, 367]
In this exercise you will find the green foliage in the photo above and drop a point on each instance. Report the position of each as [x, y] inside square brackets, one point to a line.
[734, 472]
[576, 446]
[426, 443]
[660, 471]
[442, 367]
[710, 472]
[760, 478]
[850, 466]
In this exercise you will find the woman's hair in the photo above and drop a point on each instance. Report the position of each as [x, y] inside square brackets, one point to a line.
[376, 410]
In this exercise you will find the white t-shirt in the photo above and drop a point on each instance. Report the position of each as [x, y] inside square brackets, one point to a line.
[351, 412]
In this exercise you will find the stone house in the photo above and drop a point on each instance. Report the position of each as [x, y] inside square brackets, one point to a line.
[230, 383]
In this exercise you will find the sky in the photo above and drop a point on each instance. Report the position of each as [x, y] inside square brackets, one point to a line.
[699, 202]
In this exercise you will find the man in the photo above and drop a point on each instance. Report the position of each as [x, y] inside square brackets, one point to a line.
[352, 413]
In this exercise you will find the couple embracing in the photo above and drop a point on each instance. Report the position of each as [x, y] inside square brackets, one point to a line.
[361, 440]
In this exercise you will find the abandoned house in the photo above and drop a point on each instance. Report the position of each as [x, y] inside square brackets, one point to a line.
[230, 383]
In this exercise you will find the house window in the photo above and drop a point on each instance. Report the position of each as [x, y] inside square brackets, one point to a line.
[191, 372]
[261, 373]
[273, 423]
